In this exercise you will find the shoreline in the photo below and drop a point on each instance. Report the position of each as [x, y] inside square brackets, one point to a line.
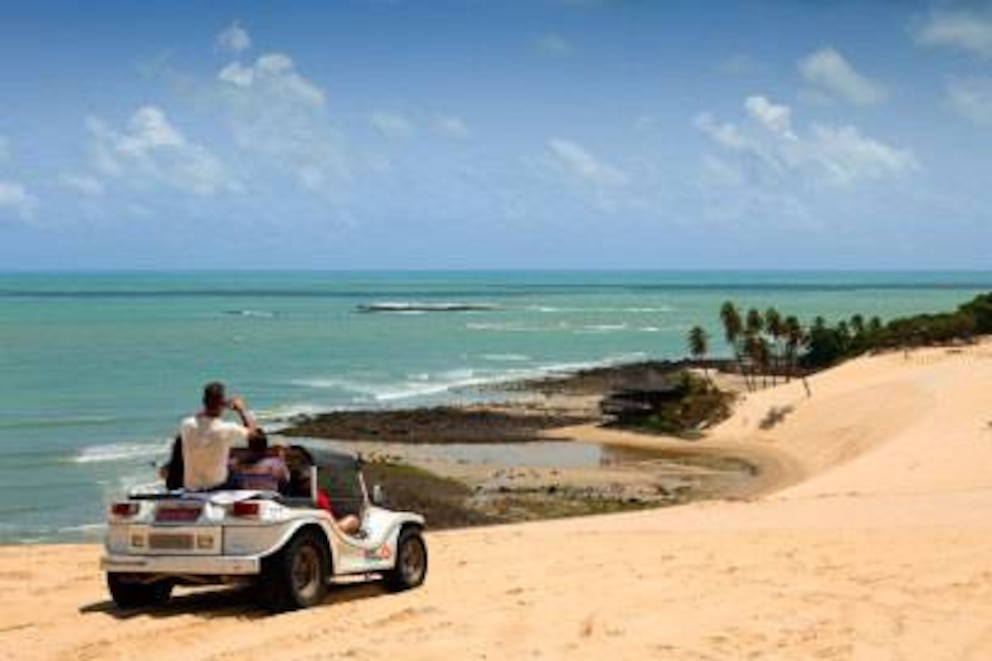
[534, 407]
[545, 452]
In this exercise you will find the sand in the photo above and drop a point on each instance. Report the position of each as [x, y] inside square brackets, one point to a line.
[871, 538]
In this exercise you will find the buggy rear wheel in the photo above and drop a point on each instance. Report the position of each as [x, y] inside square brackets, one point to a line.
[411, 561]
[128, 591]
[296, 577]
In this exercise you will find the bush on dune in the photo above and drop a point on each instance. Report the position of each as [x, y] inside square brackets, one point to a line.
[692, 404]
[824, 345]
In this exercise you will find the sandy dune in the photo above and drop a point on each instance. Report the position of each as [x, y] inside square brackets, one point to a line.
[873, 539]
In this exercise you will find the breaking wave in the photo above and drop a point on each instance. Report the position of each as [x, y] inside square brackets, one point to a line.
[261, 314]
[417, 307]
[120, 452]
[423, 385]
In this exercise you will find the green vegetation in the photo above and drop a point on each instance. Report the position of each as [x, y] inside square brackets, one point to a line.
[771, 345]
[828, 345]
[692, 404]
[564, 502]
[447, 503]
[699, 343]
[765, 344]
[443, 501]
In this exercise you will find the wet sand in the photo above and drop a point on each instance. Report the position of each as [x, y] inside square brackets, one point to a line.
[538, 453]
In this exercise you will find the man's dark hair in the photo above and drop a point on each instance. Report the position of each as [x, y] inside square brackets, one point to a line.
[213, 395]
[258, 442]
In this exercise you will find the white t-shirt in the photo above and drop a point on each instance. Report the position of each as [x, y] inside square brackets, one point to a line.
[206, 447]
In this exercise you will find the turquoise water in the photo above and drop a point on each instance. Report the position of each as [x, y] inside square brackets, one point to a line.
[97, 369]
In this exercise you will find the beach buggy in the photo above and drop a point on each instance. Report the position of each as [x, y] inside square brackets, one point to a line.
[289, 546]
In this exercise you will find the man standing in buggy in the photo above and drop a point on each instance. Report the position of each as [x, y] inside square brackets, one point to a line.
[206, 439]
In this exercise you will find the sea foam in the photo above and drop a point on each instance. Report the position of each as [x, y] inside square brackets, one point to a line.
[120, 452]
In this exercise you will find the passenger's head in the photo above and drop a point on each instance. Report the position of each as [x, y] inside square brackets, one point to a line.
[258, 442]
[299, 461]
[214, 398]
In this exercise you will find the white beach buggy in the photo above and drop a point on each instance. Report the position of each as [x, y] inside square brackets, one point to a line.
[287, 545]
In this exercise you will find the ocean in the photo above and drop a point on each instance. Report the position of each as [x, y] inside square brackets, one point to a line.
[96, 369]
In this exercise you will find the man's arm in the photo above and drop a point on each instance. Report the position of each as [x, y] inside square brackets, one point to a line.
[247, 419]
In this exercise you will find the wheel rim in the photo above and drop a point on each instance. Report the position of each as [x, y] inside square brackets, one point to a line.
[413, 561]
[306, 572]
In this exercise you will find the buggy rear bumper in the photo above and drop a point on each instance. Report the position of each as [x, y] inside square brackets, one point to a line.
[182, 564]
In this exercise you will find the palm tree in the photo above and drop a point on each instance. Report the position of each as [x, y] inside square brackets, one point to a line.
[764, 359]
[753, 349]
[776, 328]
[805, 337]
[733, 328]
[754, 323]
[859, 342]
[698, 346]
[844, 339]
[858, 324]
[874, 326]
[794, 338]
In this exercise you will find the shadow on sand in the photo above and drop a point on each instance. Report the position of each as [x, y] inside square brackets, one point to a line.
[237, 602]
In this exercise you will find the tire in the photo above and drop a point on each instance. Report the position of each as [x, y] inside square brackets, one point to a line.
[128, 592]
[296, 576]
[411, 561]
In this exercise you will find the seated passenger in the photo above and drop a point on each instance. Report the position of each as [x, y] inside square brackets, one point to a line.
[299, 462]
[172, 472]
[349, 523]
[259, 469]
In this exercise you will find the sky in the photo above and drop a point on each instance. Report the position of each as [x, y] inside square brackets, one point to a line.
[511, 134]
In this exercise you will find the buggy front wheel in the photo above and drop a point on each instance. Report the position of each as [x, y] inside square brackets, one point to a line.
[411, 561]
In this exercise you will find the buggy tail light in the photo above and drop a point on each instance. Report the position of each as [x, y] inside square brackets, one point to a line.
[246, 509]
[124, 509]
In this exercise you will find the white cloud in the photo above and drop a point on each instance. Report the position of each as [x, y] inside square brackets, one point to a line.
[15, 197]
[959, 29]
[553, 43]
[149, 129]
[237, 74]
[574, 161]
[452, 126]
[972, 99]
[718, 172]
[778, 154]
[151, 147]
[729, 196]
[274, 75]
[392, 125]
[775, 118]
[83, 184]
[774, 143]
[726, 134]
[234, 39]
[847, 157]
[830, 72]
[277, 113]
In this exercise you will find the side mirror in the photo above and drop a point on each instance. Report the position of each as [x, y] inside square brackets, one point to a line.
[378, 495]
